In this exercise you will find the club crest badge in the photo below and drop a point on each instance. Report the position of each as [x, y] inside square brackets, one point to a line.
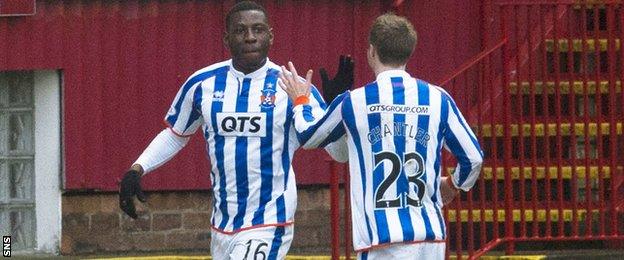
[267, 99]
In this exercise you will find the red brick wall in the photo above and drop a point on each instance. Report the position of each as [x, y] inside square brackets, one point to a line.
[172, 221]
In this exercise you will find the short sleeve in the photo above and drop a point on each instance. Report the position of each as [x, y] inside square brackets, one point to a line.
[184, 116]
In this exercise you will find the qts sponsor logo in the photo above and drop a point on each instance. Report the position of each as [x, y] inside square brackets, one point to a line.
[241, 124]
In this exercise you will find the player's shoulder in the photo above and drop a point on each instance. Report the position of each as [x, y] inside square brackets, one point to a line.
[211, 70]
[432, 87]
[273, 66]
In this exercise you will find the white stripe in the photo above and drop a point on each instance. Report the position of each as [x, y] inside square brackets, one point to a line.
[253, 155]
[229, 151]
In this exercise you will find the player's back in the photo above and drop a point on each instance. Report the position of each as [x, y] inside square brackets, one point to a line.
[394, 129]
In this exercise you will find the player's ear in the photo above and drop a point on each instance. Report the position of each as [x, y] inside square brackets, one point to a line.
[371, 51]
[270, 36]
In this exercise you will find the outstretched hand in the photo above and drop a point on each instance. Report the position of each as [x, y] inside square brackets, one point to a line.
[292, 84]
[342, 82]
[129, 187]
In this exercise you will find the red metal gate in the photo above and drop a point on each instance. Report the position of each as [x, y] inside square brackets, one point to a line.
[546, 103]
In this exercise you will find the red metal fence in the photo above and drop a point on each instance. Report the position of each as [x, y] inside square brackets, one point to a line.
[546, 103]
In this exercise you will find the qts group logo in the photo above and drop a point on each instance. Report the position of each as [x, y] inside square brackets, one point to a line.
[6, 246]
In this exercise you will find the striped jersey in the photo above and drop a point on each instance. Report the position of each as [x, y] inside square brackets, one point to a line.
[247, 123]
[395, 129]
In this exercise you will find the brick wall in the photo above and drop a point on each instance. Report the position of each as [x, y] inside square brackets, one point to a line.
[171, 221]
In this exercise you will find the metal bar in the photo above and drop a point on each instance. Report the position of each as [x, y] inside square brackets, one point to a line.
[546, 111]
[612, 111]
[471, 62]
[532, 116]
[520, 74]
[509, 232]
[616, 193]
[495, 103]
[586, 119]
[572, 113]
[347, 211]
[470, 227]
[599, 118]
[558, 120]
[494, 243]
[334, 210]
[486, 74]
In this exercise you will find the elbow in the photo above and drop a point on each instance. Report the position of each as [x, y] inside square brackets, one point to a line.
[476, 159]
[308, 146]
[476, 163]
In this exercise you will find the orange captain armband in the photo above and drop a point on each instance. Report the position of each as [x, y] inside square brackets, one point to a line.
[302, 100]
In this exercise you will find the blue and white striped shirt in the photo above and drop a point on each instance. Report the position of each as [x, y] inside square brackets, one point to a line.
[395, 129]
[247, 123]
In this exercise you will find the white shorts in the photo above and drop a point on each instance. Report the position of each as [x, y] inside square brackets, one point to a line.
[406, 251]
[266, 243]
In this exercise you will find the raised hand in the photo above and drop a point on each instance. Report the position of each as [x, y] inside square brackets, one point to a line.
[292, 84]
[342, 82]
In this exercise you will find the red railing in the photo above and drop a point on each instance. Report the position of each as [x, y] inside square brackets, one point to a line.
[547, 106]
[469, 219]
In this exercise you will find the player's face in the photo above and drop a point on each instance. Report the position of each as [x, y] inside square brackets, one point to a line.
[249, 38]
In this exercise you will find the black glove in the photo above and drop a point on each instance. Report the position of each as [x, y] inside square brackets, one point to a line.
[129, 187]
[341, 82]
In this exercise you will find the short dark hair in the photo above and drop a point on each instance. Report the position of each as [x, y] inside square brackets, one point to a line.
[394, 38]
[243, 6]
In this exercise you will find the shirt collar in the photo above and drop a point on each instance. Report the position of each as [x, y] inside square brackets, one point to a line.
[261, 72]
[386, 75]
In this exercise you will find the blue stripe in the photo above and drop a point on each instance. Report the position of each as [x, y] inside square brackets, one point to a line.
[266, 156]
[281, 209]
[398, 97]
[460, 154]
[196, 111]
[364, 255]
[242, 183]
[285, 151]
[349, 118]
[280, 203]
[219, 143]
[464, 125]
[277, 243]
[423, 123]
[334, 135]
[171, 119]
[436, 166]
[307, 113]
[305, 135]
[454, 144]
[372, 97]
[318, 97]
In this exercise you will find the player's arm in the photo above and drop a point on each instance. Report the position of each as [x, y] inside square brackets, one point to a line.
[338, 150]
[461, 141]
[315, 127]
[164, 147]
[319, 130]
[183, 119]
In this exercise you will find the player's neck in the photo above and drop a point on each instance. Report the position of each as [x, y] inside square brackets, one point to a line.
[380, 67]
